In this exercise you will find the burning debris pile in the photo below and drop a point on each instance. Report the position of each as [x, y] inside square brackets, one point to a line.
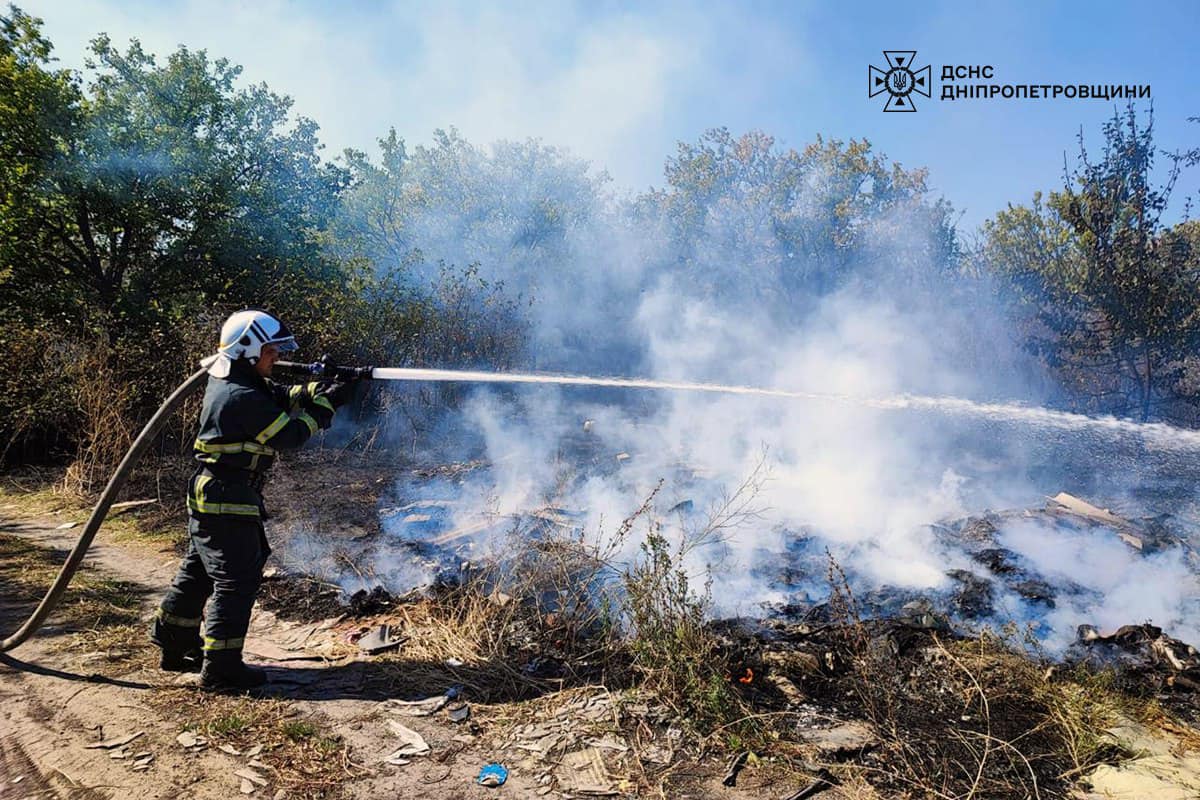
[907, 688]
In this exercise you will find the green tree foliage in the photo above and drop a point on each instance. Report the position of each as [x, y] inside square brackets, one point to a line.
[793, 226]
[484, 234]
[1111, 292]
[134, 208]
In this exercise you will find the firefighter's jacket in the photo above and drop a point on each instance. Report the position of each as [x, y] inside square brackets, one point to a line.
[244, 423]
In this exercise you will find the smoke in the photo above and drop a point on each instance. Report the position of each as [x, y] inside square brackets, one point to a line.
[742, 285]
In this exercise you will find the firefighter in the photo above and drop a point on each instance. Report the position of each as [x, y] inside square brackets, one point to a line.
[245, 421]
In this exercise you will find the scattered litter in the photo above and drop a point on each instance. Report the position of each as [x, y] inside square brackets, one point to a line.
[460, 712]
[608, 743]
[18, 779]
[414, 744]
[397, 761]
[190, 740]
[657, 754]
[252, 776]
[735, 766]
[583, 772]
[454, 662]
[228, 748]
[380, 639]
[66, 526]
[119, 741]
[417, 708]
[622, 456]
[492, 775]
[247, 787]
[453, 692]
[1082, 508]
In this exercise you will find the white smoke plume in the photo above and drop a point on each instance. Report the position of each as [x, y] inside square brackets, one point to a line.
[866, 483]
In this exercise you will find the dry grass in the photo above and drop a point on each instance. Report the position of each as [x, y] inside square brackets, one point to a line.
[304, 758]
[975, 717]
[40, 495]
[92, 602]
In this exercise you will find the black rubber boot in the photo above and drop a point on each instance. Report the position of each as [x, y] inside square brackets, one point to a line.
[180, 647]
[224, 669]
[190, 661]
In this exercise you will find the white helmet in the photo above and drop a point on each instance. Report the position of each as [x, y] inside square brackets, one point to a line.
[243, 336]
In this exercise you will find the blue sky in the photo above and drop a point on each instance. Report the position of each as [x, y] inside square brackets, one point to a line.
[621, 83]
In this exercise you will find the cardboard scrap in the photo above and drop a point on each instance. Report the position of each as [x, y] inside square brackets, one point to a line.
[191, 741]
[583, 772]
[252, 776]
[1082, 508]
[416, 708]
[413, 743]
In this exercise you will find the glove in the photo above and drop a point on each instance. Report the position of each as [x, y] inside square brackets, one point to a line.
[338, 393]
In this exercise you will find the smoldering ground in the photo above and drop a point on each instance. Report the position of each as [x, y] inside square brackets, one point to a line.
[618, 287]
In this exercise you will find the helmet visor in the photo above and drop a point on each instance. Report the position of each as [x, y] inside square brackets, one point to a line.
[282, 338]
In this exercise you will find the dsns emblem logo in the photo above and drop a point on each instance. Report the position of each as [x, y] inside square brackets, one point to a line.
[899, 81]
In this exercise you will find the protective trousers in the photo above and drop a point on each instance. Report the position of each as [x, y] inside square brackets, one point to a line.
[224, 560]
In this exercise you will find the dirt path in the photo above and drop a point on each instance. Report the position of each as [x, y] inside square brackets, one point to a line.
[52, 709]
[56, 700]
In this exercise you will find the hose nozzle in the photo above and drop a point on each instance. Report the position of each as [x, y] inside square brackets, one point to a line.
[324, 369]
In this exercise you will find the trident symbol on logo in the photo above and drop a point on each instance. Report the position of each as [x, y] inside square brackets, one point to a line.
[899, 81]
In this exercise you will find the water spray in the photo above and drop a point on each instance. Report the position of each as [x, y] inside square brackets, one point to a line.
[1160, 435]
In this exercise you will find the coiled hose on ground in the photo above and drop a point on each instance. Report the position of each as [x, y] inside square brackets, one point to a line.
[55, 592]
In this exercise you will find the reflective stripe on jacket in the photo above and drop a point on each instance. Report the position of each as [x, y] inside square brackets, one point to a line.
[244, 423]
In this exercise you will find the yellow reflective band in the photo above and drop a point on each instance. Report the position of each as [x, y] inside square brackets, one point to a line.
[236, 509]
[201, 482]
[223, 644]
[274, 428]
[295, 392]
[310, 422]
[179, 622]
[321, 400]
[234, 447]
[197, 503]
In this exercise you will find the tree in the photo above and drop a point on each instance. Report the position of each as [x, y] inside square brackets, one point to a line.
[161, 187]
[1114, 291]
[788, 227]
[132, 209]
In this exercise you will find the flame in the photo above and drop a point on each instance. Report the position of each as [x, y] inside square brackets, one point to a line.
[748, 677]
